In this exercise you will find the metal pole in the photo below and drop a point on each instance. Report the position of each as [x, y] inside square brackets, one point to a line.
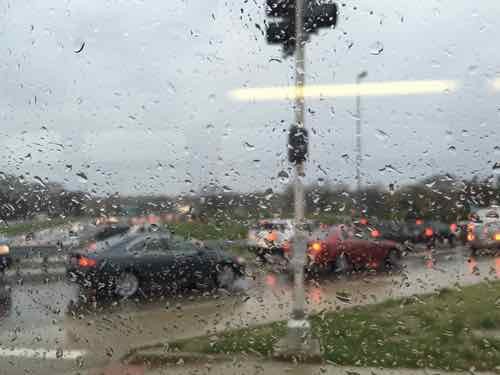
[359, 77]
[299, 242]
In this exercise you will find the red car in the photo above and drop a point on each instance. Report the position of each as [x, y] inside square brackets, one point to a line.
[346, 248]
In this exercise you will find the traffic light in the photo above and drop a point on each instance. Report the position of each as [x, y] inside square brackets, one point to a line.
[297, 144]
[281, 32]
[317, 14]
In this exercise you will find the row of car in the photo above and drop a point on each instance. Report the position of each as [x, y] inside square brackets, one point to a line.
[374, 243]
[337, 248]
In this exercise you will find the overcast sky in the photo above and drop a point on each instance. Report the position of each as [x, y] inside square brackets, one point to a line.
[145, 107]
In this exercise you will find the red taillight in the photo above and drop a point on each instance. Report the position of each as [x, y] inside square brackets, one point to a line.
[363, 221]
[419, 222]
[286, 246]
[453, 227]
[375, 233]
[428, 232]
[86, 262]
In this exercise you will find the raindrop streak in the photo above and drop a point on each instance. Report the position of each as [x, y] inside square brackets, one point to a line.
[376, 48]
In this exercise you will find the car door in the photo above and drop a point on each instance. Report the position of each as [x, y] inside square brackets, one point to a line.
[189, 262]
[157, 263]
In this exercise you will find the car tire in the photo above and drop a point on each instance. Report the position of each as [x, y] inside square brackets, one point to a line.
[343, 265]
[127, 285]
[313, 271]
[226, 276]
[392, 261]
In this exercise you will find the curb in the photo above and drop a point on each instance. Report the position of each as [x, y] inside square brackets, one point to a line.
[155, 358]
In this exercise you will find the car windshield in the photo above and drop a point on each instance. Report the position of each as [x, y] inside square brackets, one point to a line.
[340, 159]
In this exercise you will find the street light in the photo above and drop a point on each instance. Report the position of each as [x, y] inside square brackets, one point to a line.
[359, 77]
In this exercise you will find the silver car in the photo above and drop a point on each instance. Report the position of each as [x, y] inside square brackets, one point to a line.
[484, 236]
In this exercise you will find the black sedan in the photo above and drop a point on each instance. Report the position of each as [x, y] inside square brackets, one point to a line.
[153, 262]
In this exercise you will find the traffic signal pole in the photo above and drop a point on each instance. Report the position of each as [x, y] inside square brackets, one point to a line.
[299, 242]
[298, 19]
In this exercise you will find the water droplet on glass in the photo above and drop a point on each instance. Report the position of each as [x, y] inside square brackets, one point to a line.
[345, 157]
[465, 133]
[389, 168]
[249, 146]
[382, 135]
[283, 176]
[496, 166]
[82, 177]
[376, 48]
[452, 149]
[496, 149]
[171, 88]
[39, 180]
[226, 189]
[472, 69]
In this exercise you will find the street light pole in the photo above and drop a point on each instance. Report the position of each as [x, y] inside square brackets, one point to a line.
[359, 77]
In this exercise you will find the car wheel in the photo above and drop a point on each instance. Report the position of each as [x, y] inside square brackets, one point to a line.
[225, 277]
[342, 265]
[127, 285]
[392, 262]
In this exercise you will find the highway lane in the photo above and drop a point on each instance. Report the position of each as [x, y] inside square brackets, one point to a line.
[42, 319]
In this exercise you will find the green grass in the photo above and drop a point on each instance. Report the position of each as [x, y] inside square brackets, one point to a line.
[209, 231]
[30, 226]
[436, 331]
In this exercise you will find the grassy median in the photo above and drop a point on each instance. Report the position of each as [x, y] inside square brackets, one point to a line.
[209, 231]
[455, 329]
[31, 226]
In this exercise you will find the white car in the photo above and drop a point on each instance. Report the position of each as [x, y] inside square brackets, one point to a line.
[484, 236]
[273, 236]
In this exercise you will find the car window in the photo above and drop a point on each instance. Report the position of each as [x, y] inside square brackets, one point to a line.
[184, 248]
[156, 245]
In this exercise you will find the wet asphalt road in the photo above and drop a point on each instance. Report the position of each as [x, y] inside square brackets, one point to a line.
[41, 333]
